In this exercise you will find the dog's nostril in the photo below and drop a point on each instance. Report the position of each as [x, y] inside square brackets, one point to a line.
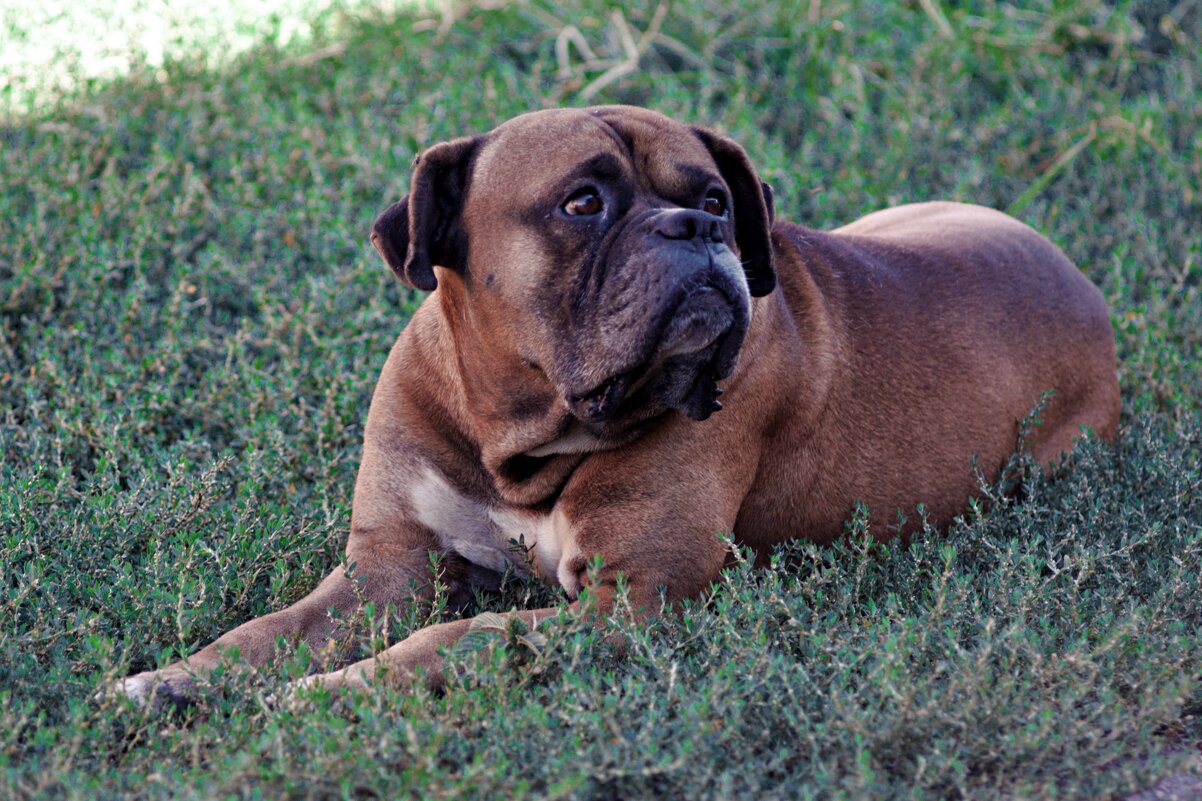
[686, 225]
[676, 228]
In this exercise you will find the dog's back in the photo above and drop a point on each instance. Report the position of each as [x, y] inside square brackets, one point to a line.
[1040, 323]
[947, 322]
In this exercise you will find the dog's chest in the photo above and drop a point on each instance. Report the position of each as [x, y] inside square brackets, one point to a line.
[493, 537]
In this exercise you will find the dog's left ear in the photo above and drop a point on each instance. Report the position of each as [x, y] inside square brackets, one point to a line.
[753, 210]
[425, 228]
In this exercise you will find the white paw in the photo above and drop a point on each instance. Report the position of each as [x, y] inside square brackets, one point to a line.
[136, 688]
[155, 687]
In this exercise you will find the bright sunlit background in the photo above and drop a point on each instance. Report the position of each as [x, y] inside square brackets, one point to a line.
[54, 46]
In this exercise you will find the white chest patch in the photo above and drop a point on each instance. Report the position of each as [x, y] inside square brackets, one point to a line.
[484, 535]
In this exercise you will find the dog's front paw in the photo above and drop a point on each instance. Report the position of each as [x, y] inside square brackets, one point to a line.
[157, 688]
[136, 688]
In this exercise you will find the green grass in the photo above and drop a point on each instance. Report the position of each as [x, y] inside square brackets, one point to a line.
[191, 322]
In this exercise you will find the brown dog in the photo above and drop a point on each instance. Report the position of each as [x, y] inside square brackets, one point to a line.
[598, 278]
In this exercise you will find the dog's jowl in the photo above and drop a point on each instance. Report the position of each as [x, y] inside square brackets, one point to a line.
[624, 354]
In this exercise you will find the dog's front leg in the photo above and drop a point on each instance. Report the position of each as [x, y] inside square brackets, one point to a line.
[673, 558]
[420, 651]
[653, 513]
[395, 572]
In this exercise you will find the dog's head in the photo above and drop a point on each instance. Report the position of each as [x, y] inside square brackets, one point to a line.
[611, 249]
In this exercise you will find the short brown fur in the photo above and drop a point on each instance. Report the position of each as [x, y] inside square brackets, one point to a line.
[878, 361]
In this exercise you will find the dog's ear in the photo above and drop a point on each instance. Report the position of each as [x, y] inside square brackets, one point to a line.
[425, 228]
[769, 202]
[753, 209]
[390, 237]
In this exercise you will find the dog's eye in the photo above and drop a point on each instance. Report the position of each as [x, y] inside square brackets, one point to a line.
[585, 202]
[715, 203]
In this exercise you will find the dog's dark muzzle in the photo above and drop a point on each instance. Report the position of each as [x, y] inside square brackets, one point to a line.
[601, 404]
[698, 347]
[702, 316]
[684, 332]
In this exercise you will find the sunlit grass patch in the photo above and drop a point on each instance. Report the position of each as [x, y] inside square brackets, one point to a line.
[52, 47]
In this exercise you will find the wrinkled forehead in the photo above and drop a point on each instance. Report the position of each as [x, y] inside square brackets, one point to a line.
[535, 153]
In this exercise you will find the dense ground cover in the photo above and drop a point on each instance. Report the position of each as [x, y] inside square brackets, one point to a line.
[191, 322]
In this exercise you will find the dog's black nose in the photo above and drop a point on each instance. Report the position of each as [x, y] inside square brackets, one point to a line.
[687, 224]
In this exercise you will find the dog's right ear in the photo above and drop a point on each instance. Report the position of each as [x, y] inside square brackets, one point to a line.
[425, 228]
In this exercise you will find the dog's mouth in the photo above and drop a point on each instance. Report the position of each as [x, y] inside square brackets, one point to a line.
[602, 403]
[698, 347]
